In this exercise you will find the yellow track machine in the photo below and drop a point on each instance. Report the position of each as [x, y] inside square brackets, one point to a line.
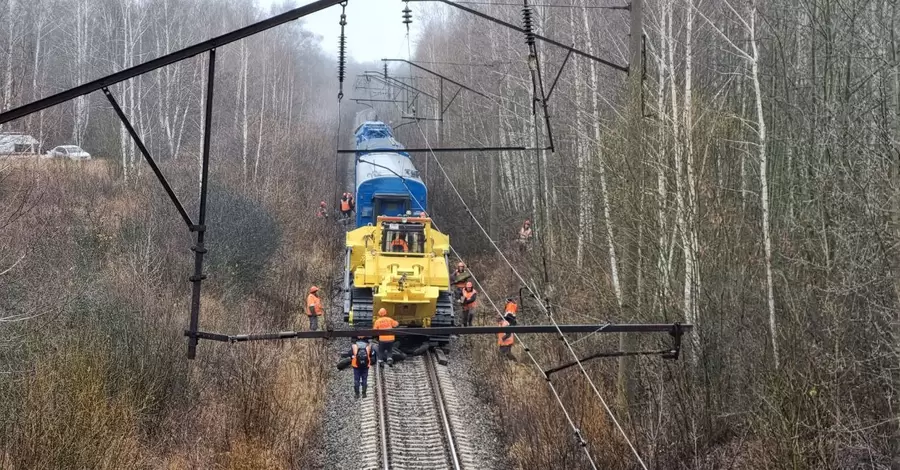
[400, 264]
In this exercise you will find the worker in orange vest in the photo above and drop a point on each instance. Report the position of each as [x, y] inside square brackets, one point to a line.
[505, 340]
[511, 307]
[468, 301]
[314, 308]
[399, 244]
[385, 342]
[360, 360]
[345, 206]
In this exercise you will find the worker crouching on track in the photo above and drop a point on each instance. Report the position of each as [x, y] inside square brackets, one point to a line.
[385, 342]
[468, 300]
[314, 308]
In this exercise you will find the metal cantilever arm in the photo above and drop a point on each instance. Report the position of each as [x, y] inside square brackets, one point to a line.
[165, 60]
[437, 75]
[621, 68]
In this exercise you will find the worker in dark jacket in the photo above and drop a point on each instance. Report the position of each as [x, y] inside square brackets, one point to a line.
[359, 356]
[360, 360]
[459, 278]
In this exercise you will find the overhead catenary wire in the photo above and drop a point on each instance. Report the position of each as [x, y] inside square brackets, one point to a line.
[539, 302]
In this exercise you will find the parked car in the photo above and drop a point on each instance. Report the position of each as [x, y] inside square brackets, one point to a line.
[72, 152]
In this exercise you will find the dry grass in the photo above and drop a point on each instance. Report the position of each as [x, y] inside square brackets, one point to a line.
[100, 378]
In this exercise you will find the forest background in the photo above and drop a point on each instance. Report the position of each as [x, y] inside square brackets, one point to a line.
[760, 203]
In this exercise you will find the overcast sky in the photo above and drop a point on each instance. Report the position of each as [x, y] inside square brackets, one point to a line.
[374, 28]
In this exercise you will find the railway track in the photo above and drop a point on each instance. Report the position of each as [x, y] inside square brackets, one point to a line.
[409, 422]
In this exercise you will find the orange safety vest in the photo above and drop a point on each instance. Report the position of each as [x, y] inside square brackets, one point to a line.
[401, 243]
[383, 323]
[468, 295]
[511, 307]
[500, 340]
[313, 301]
[345, 205]
[355, 350]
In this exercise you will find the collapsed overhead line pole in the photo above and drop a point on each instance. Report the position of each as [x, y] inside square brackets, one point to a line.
[443, 149]
[375, 100]
[391, 80]
[674, 329]
[437, 75]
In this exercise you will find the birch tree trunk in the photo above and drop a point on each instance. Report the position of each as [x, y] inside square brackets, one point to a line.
[662, 165]
[82, 38]
[244, 128]
[764, 184]
[600, 163]
[581, 156]
[10, 44]
[259, 133]
[692, 249]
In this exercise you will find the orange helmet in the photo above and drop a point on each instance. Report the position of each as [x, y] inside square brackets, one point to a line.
[313, 289]
[382, 312]
[469, 285]
[322, 203]
[527, 222]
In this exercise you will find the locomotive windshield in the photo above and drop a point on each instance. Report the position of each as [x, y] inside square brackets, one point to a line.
[403, 238]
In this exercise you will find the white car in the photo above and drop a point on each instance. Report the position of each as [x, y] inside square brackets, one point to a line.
[72, 152]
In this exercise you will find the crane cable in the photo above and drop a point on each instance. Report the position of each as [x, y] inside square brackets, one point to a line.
[539, 302]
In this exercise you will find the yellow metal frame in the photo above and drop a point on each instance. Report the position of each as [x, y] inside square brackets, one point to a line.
[407, 285]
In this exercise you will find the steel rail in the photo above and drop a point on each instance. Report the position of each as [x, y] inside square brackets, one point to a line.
[382, 412]
[442, 408]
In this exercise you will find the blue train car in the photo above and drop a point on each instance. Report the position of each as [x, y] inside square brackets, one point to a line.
[387, 182]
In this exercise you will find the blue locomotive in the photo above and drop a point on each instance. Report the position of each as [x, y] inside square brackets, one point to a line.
[387, 182]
